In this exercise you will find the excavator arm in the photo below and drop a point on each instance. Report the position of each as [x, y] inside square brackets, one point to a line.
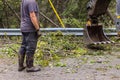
[93, 31]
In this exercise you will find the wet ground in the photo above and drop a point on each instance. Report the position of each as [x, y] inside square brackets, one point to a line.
[87, 67]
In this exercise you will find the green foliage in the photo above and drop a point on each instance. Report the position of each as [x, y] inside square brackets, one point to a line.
[79, 52]
[10, 51]
[1, 56]
[72, 12]
[72, 5]
[53, 48]
[72, 22]
[117, 66]
[60, 64]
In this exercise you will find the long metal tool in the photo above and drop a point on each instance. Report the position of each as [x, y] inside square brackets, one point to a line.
[61, 22]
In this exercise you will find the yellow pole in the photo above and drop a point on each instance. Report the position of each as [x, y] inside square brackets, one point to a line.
[56, 14]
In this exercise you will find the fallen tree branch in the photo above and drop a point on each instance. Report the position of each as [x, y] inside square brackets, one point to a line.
[12, 10]
[48, 19]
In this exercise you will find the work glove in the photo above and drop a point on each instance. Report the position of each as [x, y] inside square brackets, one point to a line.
[39, 33]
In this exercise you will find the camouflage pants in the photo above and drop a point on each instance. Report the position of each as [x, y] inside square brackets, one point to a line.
[29, 42]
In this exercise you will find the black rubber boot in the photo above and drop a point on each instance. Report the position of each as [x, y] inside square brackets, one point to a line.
[29, 63]
[21, 62]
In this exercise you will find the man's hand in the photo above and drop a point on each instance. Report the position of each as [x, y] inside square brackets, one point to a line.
[39, 33]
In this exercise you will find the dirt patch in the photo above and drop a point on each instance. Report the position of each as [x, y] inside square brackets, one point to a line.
[87, 67]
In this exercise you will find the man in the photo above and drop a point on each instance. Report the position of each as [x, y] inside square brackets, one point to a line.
[118, 17]
[30, 32]
[118, 7]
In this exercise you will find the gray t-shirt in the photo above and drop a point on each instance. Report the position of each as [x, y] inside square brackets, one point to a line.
[28, 6]
[118, 7]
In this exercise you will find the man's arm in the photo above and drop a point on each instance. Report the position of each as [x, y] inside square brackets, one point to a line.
[34, 20]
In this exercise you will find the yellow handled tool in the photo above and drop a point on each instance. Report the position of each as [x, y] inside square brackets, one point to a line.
[61, 22]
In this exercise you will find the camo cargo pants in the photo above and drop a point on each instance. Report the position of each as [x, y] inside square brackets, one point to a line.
[29, 43]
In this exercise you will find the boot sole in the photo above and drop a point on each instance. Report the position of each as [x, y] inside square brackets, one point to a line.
[33, 70]
[21, 69]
